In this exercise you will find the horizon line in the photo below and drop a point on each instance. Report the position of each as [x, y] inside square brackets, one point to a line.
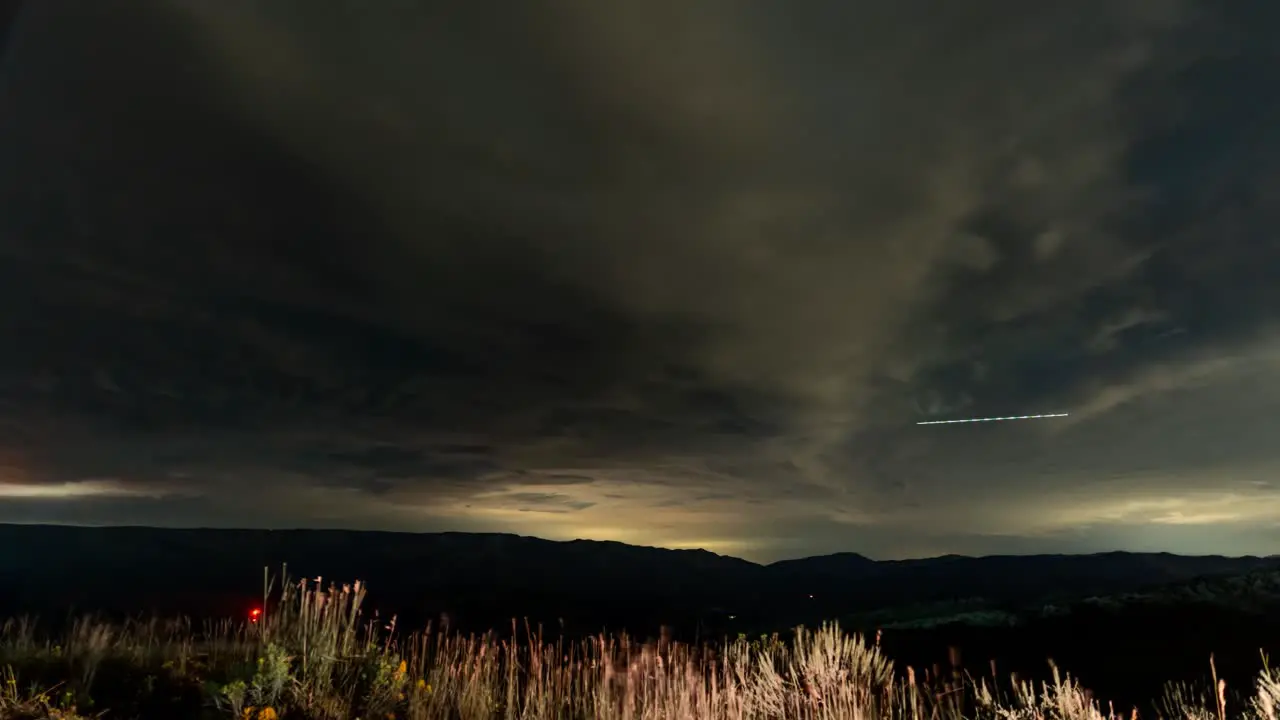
[906, 559]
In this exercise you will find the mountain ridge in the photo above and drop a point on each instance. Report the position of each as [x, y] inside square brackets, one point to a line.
[484, 580]
[838, 555]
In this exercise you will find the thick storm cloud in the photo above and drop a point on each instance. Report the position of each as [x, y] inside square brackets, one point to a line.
[666, 273]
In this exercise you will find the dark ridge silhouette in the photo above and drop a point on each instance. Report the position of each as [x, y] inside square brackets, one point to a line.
[480, 580]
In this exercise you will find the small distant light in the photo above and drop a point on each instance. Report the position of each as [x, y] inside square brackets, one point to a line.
[254, 613]
[733, 617]
[810, 597]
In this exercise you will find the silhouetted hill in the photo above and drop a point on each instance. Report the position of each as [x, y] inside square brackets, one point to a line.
[1256, 593]
[483, 580]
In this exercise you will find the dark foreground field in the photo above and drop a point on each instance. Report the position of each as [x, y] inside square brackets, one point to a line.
[313, 653]
[604, 630]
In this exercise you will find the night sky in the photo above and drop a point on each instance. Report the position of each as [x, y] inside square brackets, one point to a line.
[668, 273]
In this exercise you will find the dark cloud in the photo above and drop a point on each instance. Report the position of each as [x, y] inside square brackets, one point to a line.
[8, 15]
[660, 273]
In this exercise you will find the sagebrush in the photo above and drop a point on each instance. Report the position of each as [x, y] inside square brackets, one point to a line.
[313, 654]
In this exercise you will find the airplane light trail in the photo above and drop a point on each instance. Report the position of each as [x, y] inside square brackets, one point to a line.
[992, 419]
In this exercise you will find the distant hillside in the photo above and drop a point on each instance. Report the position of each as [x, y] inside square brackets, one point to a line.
[1012, 578]
[1252, 593]
[478, 580]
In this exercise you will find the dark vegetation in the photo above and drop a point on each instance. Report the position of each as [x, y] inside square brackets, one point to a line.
[1124, 624]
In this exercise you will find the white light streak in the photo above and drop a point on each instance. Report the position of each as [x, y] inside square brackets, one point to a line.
[993, 419]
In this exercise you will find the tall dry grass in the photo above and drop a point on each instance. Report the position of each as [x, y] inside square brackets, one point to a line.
[314, 654]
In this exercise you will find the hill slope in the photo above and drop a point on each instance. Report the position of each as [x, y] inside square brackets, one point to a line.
[483, 579]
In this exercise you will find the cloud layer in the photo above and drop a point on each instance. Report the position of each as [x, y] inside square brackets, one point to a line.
[671, 275]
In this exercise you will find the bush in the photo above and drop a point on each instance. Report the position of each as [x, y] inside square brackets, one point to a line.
[314, 655]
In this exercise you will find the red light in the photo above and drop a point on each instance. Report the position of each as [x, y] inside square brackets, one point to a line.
[253, 614]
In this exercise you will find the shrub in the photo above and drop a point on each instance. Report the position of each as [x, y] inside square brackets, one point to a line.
[314, 655]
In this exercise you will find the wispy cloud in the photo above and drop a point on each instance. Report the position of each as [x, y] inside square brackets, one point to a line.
[79, 490]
